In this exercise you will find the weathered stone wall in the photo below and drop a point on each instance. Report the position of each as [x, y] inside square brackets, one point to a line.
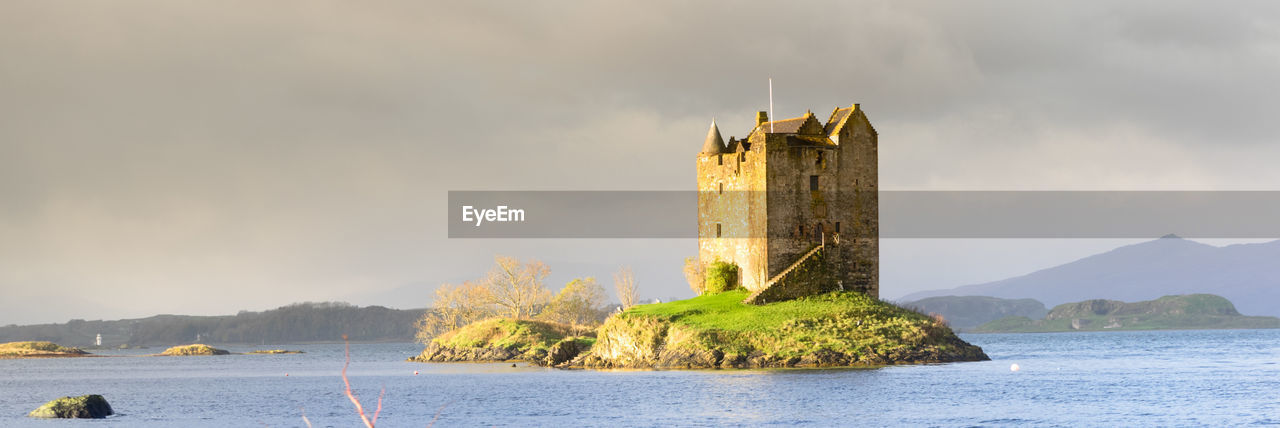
[739, 210]
[858, 254]
[796, 213]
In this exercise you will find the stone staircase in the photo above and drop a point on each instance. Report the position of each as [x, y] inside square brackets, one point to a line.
[776, 278]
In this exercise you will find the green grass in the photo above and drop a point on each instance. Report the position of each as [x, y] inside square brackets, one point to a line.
[725, 311]
[848, 322]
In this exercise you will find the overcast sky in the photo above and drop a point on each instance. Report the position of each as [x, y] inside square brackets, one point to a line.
[207, 157]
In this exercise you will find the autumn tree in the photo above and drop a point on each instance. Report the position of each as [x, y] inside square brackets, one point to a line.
[577, 304]
[696, 273]
[517, 288]
[454, 307]
[624, 282]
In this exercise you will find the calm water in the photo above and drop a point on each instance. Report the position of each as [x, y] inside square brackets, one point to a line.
[1210, 378]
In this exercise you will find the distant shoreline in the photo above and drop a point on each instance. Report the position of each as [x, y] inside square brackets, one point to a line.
[1115, 330]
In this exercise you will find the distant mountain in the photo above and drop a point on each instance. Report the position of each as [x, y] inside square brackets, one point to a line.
[1248, 274]
[299, 322]
[965, 312]
[1193, 311]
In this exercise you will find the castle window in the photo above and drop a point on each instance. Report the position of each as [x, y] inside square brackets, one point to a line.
[742, 157]
[817, 232]
[813, 182]
[721, 187]
[837, 227]
[719, 159]
[717, 230]
[819, 161]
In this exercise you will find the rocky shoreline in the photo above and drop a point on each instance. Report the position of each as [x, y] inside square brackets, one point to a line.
[657, 344]
[557, 355]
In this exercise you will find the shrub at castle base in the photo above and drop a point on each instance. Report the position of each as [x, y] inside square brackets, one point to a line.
[191, 350]
[38, 350]
[503, 339]
[83, 407]
[719, 331]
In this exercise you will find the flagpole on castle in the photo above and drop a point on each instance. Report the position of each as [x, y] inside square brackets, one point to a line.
[770, 105]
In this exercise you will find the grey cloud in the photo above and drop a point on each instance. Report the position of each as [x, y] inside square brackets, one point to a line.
[301, 150]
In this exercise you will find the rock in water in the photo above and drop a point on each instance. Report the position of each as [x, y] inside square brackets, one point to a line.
[562, 352]
[83, 407]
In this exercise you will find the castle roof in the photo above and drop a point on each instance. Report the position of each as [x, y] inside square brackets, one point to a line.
[784, 126]
[837, 117]
[714, 143]
[801, 131]
[809, 140]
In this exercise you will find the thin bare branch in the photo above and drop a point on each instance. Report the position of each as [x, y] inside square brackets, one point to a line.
[359, 409]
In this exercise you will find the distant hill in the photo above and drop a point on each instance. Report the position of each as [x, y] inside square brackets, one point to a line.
[965, 312]
[1193, 311]
[1247, 274]
[299, 322]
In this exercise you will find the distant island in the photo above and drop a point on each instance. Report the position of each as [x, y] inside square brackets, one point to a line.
[296, 323]
[38, 349]
[966, 312]
[1191, 311]
[1244, 273]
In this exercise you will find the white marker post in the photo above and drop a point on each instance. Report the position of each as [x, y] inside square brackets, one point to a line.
[771, 105]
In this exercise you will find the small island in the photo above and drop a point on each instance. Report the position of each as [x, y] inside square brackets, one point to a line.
[1182, 312]
[504, 340]
[38, 349]
[839, 329]
[192, 350]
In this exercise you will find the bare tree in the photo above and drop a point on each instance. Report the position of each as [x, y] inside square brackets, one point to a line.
[454, 307]
[518, 288]
[624, 282]
[578, 304]
[696, 273]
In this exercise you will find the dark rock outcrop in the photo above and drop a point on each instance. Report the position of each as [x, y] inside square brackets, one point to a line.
[562, 352]
[437, 353]
[83, 407]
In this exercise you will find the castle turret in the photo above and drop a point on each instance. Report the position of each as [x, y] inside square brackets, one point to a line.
[714, 143]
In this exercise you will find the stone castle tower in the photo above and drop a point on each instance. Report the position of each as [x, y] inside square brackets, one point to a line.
[793, 205]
